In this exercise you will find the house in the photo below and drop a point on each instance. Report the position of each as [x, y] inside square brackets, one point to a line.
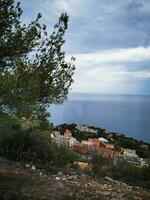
[63, 140]
[109, 146]
[91, 141]
[101, 139]
[82, 165]
[80, 148]
[144, 147]
[107, 152]
[67, 133]
[72, 141]
[85, 129]
[55, 136]
[129, 153]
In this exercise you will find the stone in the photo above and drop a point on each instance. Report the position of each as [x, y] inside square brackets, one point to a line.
[57, 179]
[64, 179]
[17, 164]
[27, 166]
[41, 174]
[45, 176]
[33, 167]
[59, 173]
[108, 179]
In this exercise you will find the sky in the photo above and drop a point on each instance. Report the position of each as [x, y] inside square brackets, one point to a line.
[109, 39]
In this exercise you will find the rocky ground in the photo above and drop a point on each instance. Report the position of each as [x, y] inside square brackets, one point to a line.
[28, 182]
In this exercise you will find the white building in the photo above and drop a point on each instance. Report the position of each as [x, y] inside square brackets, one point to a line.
[101, 139]
[130, 153]
[84, 128]
[63, 140]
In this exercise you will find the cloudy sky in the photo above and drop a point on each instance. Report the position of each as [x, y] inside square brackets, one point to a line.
[109, 38]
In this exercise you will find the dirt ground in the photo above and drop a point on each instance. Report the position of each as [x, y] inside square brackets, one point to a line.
[19, 183]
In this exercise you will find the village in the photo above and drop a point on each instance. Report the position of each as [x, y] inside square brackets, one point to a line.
[102, 146]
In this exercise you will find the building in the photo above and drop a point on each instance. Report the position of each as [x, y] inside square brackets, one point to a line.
[91, 141]
[63, 140]
[129, 153]
[109, 146]
[80, 148]
[72, 141]
[144, 147]
[107, 152]
[101, 139]
[67, 133]
[82, 165]
[85, 129]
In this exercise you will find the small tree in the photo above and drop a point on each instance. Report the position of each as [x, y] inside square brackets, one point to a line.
[33, 70]
[100, 165]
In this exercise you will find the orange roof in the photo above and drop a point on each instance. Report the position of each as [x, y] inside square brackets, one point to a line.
[82, 165]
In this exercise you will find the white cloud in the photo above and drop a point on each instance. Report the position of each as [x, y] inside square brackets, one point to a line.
[72, 7]
[137, 54]
[108, 71]
[107, 79]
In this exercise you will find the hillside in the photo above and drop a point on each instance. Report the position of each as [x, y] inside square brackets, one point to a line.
[20, 182]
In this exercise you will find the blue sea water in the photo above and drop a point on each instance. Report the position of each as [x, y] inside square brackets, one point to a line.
[127, 114]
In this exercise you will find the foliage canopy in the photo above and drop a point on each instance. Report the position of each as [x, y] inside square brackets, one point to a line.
[33, 70]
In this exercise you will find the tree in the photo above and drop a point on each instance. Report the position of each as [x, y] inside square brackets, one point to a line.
[33, 70]
[100, 165]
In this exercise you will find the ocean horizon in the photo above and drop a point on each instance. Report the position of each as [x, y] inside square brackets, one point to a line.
[122, 113]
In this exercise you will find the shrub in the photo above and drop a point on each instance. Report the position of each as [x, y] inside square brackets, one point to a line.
[25, 145]
[100, 165]
[63, 156]
[8, 125]
[34, 145]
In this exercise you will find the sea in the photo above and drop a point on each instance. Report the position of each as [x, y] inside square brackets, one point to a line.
[125, 114]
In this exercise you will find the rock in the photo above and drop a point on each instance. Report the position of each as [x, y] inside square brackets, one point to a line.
[105, 193]
[57, 178]
[18, 165]
[2, 161]
[27, 166]
[33, 167]
[109, 179]
[105, 186]
[45, 175]
[122, 184]
[60, 174]
[64, 179]
[129, 187]
[41, 174]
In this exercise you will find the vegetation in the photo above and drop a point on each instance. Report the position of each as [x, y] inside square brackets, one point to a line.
[100, 165]
[36, 147]
[121, 170]
[33, 70]
[119, 140]
[127, 142]
[79, 135]
[33, 74]
[129, 171]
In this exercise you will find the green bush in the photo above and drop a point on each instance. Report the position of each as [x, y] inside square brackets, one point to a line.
[100, 165]
[63, 156]
[8, 125]
[123, 169]
[34, 145]
[25, 145]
